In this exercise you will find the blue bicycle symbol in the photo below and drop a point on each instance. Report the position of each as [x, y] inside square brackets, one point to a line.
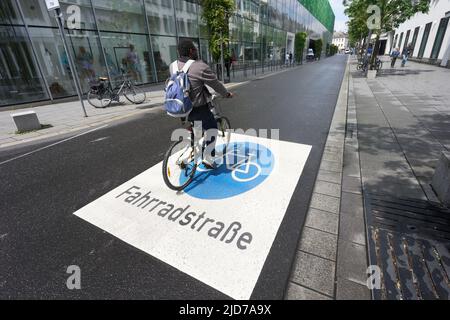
[244, 166]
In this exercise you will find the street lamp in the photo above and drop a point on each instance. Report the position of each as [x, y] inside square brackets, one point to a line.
[53, 5]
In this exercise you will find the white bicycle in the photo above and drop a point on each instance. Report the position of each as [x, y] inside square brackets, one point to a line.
[185, 156]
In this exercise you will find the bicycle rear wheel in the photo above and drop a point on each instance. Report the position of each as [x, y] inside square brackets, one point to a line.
[99, 100]
[134, 94]
[179, 165]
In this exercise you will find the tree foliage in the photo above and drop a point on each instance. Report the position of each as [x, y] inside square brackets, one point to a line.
[392, 14]
[299, 46]
[318, 46]
[333, 49]
[216, 14]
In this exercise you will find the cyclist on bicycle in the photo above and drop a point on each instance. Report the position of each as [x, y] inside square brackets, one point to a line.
[200, 74]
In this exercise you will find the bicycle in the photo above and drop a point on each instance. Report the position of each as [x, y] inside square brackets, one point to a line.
[184, 156]
[102, 94]
[379, 64]
[363, 65]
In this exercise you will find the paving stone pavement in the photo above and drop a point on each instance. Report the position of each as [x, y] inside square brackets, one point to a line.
[403, 126]
[331, 259]
[386, 137]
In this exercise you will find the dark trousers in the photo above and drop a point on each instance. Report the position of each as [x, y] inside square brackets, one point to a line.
[393, 60]
[204, 114]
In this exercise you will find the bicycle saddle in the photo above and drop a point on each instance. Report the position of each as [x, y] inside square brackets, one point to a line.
[103, 79]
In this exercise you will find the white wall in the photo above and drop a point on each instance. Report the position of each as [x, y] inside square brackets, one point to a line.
[341, 43]
[438, 8]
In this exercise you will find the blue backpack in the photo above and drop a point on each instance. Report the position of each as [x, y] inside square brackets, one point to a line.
[177, 101]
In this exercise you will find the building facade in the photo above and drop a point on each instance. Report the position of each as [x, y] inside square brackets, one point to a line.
[427, 35]
[136, 37]
[340, 40]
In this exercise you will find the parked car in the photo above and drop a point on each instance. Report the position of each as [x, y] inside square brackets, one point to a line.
[310, 55]
[348, 51]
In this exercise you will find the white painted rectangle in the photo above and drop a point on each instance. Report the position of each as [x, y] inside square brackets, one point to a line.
[221, 265]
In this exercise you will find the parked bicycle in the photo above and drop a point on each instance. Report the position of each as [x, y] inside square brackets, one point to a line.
[185, 156]
[364, 64]
[102, 94]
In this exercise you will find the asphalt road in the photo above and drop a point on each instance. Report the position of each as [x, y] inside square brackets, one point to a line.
[40, 236]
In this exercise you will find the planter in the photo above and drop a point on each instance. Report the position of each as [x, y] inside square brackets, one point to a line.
[371, 74]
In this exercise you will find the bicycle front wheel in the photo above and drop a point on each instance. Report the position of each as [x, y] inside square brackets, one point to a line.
[224, 126]
[134, 95]
[179, 165]
[98, 100]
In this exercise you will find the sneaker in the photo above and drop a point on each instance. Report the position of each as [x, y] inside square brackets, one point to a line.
[209, 165]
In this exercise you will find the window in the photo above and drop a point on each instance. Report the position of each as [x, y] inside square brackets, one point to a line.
[20, 80]
[423, 44]
[121, 16]
[160, 16]
[9, 14]
[439, 38]
[129, 53]
[165, 52]
[407, 39]
[414, 40]
[186, 18]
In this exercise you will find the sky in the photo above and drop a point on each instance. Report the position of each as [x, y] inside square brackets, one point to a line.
[341, 18]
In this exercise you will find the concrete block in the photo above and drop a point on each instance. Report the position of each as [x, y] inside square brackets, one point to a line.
[26, 121]
[441, 178]
[371, 74]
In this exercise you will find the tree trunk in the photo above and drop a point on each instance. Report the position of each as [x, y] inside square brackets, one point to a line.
[376, 48]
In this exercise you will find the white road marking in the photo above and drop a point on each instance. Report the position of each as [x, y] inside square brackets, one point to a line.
[53, 144]
[146, 214]
[99, 139]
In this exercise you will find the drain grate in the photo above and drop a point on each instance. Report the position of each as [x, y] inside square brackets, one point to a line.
[410, 241]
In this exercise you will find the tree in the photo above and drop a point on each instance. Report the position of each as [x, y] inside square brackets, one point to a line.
[300, 40]
[318, 45]
[216, 14]
[390, 14]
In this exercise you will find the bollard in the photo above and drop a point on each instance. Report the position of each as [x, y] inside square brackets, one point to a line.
[26, 121]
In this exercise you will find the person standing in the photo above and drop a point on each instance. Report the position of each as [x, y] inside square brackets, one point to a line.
[86, 62]
[394, 55]
[290, 58]
[133, 63]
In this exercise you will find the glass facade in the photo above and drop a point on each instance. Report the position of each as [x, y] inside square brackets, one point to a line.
[135, 37]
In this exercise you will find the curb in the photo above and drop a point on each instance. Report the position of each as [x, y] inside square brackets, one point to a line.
[324, 266]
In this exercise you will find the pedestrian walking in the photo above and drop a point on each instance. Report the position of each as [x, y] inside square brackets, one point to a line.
[405, 54]
[394, 55]
[290, 58]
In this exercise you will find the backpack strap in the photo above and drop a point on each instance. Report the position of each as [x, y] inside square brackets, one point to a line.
[187, 65]
[173, 68]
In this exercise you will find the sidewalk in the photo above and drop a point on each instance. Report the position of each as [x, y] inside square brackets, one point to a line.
[386, 137]
[331, 259]
[66, 117]
[403, 126]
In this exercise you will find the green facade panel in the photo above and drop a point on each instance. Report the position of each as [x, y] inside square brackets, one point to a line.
[321, 10]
